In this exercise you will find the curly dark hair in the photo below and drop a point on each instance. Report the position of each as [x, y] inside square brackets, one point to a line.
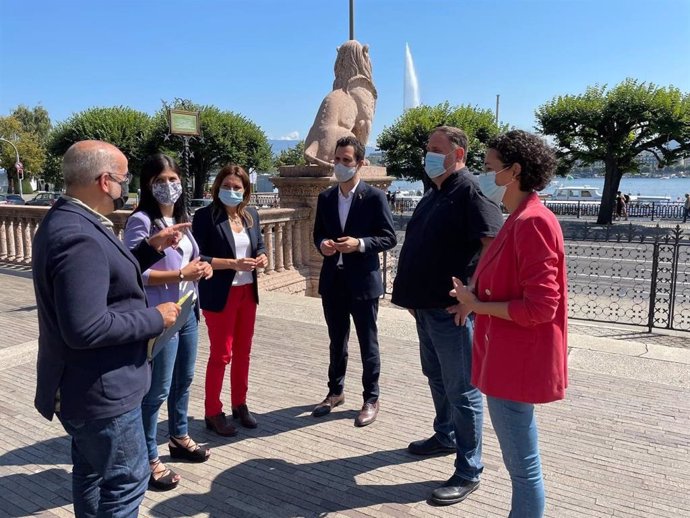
[536, 158]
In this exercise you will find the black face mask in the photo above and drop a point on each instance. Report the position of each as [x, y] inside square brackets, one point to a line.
[120, 201]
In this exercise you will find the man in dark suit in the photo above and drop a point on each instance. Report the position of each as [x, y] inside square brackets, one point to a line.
[92, 369]
[353, 224]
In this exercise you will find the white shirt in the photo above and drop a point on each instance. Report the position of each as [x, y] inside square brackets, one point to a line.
[242, 249]
[344, 204]
[185, 248]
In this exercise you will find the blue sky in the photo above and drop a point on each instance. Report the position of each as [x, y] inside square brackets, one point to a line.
[272, 60]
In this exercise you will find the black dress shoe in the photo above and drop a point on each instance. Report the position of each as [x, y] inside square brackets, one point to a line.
[246, 418]
[455, 490]
[430, 446]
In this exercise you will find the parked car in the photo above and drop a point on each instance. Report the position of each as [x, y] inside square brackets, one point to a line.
[3, 199]
[45, 199]
[14, 199]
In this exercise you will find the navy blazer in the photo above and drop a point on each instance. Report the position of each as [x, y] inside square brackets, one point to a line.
[213, 234]
[93, 320]
[369, 219]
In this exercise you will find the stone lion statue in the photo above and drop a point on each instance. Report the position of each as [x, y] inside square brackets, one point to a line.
[348, 110]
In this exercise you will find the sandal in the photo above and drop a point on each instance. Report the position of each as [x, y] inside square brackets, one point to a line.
[186, 448]
[167, 480]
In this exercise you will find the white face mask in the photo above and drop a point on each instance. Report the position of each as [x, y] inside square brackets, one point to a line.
[343, 173]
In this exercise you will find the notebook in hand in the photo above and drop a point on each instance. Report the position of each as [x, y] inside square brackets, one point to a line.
[186, 304]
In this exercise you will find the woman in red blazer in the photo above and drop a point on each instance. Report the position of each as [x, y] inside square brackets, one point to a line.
[520, 301]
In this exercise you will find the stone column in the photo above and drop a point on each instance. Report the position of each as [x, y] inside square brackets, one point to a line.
[29, 232]
[297, 243]
[268, 241]
[11, 251]
[18, 241]
[280, 266]
[287, 245]
[3, 239]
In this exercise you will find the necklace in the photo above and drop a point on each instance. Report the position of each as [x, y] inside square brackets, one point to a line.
[235, 219]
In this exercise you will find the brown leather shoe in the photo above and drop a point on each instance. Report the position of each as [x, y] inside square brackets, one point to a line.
[246, 418]
[368, 414]
[328, 404]
[218, 423]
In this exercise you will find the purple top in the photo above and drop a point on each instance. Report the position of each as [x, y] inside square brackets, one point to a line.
[138, 228]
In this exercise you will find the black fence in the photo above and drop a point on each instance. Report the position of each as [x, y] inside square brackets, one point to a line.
[633, 274]
[652, 210]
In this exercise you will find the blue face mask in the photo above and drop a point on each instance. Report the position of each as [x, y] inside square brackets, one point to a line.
[433, 164]
[487, 184]
[230, 198]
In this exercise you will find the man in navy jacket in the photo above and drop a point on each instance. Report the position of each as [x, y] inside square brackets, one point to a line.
[94, 325]
[353, 224]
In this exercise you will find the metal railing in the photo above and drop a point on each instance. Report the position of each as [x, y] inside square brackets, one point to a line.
[623, 275]
[653, 210]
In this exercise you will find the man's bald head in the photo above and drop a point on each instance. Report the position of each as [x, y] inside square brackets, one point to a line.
[87, 160]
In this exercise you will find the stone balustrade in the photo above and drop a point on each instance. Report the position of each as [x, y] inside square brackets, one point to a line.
[287, 236]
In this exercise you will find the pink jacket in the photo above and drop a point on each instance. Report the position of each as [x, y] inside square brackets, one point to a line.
[523, 359]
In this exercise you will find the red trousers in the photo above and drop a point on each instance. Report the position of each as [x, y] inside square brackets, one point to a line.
[230, 332]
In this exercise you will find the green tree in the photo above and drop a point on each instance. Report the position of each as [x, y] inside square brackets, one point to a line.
[34, 120]
[404, 143]
[31, 152]
[121, 126]
[615, 126]
[226, 137]
[291, 156]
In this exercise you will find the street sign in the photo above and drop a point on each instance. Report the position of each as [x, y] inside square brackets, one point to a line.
[183, 122]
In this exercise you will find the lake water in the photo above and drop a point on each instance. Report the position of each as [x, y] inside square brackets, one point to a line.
[673, 187]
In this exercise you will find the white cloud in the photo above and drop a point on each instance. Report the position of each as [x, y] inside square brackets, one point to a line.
[293, 135]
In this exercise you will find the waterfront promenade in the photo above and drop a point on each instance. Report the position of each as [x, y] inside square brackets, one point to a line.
[618, 446]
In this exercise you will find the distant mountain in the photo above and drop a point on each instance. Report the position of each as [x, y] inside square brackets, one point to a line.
[281, 145]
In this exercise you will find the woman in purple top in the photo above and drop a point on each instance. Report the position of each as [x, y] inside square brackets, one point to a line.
[162, 205]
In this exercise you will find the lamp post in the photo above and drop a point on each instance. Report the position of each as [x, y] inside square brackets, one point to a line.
[17, 164]
[352, 19]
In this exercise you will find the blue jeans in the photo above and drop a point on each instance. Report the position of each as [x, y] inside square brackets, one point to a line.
[446, 354]
[171, 377]
[516, 428]
[110, 472]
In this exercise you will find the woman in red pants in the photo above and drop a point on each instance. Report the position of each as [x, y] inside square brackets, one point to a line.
[229, 237]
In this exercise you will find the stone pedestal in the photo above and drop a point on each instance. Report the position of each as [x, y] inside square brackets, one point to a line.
[299, 186]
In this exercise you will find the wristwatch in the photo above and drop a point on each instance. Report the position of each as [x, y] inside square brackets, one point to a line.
[181, 275]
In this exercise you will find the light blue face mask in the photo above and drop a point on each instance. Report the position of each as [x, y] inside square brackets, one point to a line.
[433, 164]
[230, 198]
[487, 184]
[343, 173]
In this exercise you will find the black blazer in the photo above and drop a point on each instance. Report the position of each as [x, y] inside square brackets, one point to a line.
[213, 234]
[92, 316]
[369, 219]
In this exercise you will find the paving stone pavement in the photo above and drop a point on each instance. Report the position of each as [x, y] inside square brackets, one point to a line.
[618, 445]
